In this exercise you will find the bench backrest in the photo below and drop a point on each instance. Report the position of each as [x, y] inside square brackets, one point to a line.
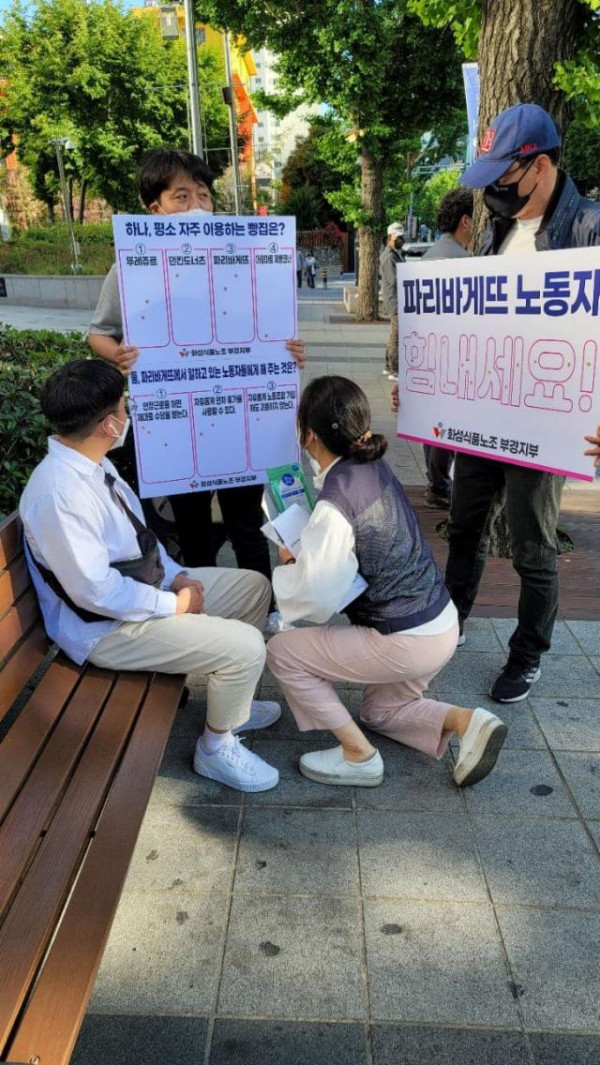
[23, 642]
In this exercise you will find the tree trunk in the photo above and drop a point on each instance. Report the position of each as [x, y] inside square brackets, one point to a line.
[82, 194]
[520, 42]
[369, 237]
[70, 187]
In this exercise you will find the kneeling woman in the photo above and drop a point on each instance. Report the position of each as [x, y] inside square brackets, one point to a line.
[404, 625]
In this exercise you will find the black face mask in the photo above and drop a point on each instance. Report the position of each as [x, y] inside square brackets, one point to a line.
[504, 200]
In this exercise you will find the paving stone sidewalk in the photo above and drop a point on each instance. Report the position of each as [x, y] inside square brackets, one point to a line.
[410, 924]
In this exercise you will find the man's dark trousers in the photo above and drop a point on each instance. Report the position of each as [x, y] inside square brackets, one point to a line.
[532, 507]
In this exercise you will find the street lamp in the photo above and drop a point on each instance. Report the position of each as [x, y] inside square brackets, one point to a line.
[60, 143]
[229, 98]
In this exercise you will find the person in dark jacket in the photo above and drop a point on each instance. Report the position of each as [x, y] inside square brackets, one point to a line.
[388, 260]
[455, 223]
[404, 627]
[534, 205]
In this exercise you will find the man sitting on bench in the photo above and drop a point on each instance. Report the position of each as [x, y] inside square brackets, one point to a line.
[109, 592]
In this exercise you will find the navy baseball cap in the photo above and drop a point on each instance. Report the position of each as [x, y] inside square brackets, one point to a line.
[522, 130]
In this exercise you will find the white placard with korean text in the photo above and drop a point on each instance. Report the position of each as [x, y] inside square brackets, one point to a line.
[210, 302]
[499, 356]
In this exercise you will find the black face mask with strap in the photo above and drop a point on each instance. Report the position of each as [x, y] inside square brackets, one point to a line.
[504, 201]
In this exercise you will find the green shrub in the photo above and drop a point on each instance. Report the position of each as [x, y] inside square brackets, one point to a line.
[51, 259]
[26, 360]
[57, 233]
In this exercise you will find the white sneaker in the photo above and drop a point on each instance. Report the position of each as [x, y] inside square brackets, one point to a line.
[479, 748]
[234, 765]
[462, 639]
[330, 767]
[385, 372]
[392, 377]
[262, 714]
[275, 624]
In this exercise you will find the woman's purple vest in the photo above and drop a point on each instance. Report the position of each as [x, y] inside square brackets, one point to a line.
[406, 588]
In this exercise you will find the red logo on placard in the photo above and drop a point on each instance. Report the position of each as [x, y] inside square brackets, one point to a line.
[487, 140]
[439, 431]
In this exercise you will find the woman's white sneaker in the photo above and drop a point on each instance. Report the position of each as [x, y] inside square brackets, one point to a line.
[234, 765]
[330, 767]
[479, 747]
[262, 714]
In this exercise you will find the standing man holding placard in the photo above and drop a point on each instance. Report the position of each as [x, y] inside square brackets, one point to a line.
[534, 206]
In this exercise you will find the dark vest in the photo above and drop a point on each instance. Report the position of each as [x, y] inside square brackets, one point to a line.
[406, 588]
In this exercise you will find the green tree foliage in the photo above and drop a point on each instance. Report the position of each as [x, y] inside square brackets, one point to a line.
[305, 204]
[432, 194]
[382, 75]
[578, 78]
[308, 166]
[105, 79]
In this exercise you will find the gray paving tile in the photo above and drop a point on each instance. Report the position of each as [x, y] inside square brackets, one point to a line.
[594, 827]
[115, 1040]
[470, 671]
[554, 959]
[582, 774]
[415, 1045]
[480, 636]
[550, 1048]
[419, 856]
[587, 633]
[563, 641]
[293, 957]
[523, 731]
[298, 852]
[566, 676]
[538, 862]
[162, 954]
[178, 785]
[189, 719]
[412, 781]
[436, 962]
[185, 848]
[523, 782]
[294, 789]
[287, 1043]
[569, 724]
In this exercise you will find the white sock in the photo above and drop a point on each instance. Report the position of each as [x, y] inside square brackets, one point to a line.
[211, 742]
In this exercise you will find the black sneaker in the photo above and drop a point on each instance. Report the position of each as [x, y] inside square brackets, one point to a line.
[435, 501]
[514, 683]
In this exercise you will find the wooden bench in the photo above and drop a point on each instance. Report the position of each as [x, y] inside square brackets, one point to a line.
[79, 751]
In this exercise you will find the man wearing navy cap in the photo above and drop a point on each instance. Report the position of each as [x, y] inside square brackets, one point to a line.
[534, 206]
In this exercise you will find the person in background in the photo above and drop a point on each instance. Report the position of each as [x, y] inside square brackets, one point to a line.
[388, 260]
[310, 265]
[109, 592]
[404, 626]
[534, 206]
[299, 266]
[173, 181]
[455, 224]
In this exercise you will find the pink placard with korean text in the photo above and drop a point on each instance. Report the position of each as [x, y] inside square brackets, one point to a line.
[500, 356]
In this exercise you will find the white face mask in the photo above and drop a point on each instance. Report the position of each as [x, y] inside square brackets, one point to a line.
[314, 465]
[120, 438]
[197, 210]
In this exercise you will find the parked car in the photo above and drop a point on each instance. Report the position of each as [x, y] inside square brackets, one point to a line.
[415, 250]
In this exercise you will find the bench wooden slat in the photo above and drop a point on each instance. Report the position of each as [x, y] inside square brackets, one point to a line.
[20, 832]
[23, 744]
[31, 920]
[18, 622]
[13, 582]
[11, 531]
[52, 1019]
[21, 667]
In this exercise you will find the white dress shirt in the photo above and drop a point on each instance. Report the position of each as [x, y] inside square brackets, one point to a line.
[75, 528]
[320, 580]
